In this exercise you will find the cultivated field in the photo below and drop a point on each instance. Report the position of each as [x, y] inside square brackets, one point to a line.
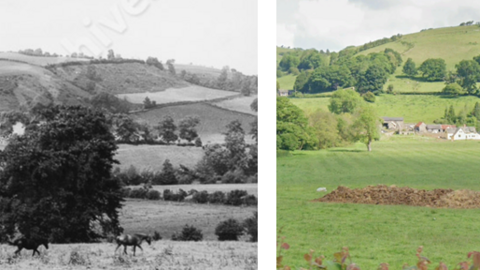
[151, 157]
[239, 104]
[378, 233]
[189, 93]
[160, 255]
[412, 108]
[213, 120]
[38, 60]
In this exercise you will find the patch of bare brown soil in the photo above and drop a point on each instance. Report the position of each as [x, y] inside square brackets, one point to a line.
[393, 195]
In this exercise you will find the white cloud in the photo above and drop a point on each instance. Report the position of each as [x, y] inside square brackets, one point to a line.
[285, 35]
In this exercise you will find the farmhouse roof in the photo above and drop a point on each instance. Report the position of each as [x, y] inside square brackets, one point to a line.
[434, 126]
[386, 119]
[419, 124]
[445, 127]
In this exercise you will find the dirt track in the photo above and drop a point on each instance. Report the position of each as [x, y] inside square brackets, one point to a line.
[392, 195]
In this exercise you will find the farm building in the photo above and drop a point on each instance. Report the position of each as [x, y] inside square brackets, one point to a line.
[434, 128]
[393, 122]
[420, 127]
[462, 133]
[283, 93]
[445, 127]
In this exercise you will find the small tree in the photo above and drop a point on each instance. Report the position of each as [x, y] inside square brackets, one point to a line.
[229, 230]
[344, 101]
[187, 128]
[367, 125]
[453, 89]
[168, 176]
[171, 67]
[167, 129]
[147, 103]
[409, 68]
[251, 227]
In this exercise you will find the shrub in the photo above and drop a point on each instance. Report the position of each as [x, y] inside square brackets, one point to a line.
[189, 233]
[198, 142]
[156, 236]
[229, 230]
[216, 197]
[167, 194]
[179, 196]
[139, 193]
[369, 97]
[126, 192]
[234, 197]
[250, 200]
[251, 227]
[153, 194]
[201, 197]
[234, 177]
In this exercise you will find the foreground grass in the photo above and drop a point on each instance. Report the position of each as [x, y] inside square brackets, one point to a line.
[412, 108]
[376, 233]
[159, 255]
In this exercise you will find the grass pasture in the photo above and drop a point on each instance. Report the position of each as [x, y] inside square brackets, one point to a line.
[239, 104]
[189, 93]
[38, 60]
[160, 255]
[215, 72]
[213, 120]
[413, 108]
[287, 82]
[151, 157]
[377, 233]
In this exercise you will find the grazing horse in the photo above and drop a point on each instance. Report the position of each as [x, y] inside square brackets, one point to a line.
[132, 240]
[29, 243]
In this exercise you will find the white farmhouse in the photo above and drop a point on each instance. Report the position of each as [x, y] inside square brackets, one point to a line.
[462, 133]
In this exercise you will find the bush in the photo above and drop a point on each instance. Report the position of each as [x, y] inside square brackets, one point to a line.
[189, 233]
[138, 193]
[153, 194]
[229, 230]
[201, 197]
[216, 197]
[234, 177]
[126, 192]
[198, 142]
[168, 195]
[369, 97]
[234, 197]
[156, 236]
[250, 200]
[251, 227]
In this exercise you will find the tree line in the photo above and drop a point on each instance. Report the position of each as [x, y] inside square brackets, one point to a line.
[350, 119]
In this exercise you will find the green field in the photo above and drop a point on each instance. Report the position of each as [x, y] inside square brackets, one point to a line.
[412, 108]
[170, 95]
[287, 82]
[239, 104]
[213, 120]
[376, 233]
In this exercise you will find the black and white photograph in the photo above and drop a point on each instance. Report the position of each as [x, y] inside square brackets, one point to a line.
[128, 134]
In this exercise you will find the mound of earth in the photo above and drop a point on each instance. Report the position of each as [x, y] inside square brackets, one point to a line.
[393, 195]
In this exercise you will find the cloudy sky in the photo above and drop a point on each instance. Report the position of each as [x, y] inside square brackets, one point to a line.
[334, 25]
[207, 32]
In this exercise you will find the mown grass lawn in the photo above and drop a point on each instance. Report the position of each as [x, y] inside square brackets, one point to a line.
[376, 233]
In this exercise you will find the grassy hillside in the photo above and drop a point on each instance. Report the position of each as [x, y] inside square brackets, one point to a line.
[378, 233]
[239, 104]
[453, 44]
[212, 119]
[412, 108]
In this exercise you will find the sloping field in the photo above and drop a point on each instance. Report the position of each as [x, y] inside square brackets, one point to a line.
[159, 255]
[212, 119]
[412, 108]
[151, 157]
[9, 68]
[198, 69]
[239, 104]
[38, 60]
[145, 216]
[189, 93]
[378, 233]
[453, 44]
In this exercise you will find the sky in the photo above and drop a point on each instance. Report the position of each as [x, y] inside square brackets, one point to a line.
[208, 32]
[334, 25]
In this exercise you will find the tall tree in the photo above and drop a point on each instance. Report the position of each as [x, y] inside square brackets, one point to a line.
[409, 68]
[56, 179]
[469, 73]
[344, 101]
[166, 129]
[187, 128]
[293, 132]
[433, 69]
[367, 125]
[171, 67]
[235, 143]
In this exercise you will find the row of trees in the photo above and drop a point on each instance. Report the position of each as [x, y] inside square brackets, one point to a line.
[365, 73]
[464, 116]
[349, 120]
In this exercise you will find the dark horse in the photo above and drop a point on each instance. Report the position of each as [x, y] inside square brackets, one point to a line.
[132, 240]
[28, 243]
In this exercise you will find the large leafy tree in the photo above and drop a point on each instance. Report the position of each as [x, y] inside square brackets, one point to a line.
[469, 73]
[293, 132]
[433, 69]
[187, 128]
[56, 179]
[373, 80]
[409, 68]
[344, 101]
[166, 129]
